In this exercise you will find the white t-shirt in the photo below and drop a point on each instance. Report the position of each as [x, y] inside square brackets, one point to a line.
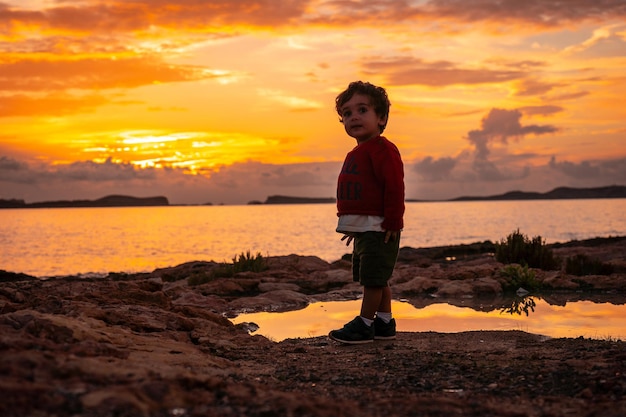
[356, 223]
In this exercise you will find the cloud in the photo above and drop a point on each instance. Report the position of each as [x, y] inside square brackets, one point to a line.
[500, 125]
[233, 184]
[497, 127]
[59, 74]
[13, 170]
[414, 71]
[432, 169]
[294, 178]
[48, 105]
[490, 14]
[96, 172]
[541, 110]
[145, 15]
[537, 13]
[529, 87]
[295, 103]
[608, 170]
[240, 183]
[157, 17]
[38, 86]
[569, 96]
[605, 41]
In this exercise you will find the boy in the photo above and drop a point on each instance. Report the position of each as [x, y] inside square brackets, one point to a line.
[370, 205]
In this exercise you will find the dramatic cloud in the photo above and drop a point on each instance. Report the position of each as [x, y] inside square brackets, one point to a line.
[497, 127]
[500, 125]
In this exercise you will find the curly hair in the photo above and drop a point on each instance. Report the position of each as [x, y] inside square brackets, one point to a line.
[378, 95]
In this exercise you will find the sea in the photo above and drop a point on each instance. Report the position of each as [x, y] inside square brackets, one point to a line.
[49, 242]
[95, 241]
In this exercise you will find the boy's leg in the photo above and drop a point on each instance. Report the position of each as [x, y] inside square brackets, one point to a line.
[372, 265]
[385, 301]
[384, 323]
[375, 299]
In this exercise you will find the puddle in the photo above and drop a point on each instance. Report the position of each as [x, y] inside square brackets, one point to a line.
[531, 314]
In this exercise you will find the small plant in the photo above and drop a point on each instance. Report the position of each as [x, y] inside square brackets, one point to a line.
[241, 263]
[518, 276]
[582, 264]
[517, 248]
[247, 262]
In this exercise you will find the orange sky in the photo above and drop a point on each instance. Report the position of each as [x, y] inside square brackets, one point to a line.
[230, 101]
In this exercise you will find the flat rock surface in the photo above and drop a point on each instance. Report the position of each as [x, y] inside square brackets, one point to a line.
[153, 345]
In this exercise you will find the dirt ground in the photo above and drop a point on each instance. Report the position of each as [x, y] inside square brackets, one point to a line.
[151, 345]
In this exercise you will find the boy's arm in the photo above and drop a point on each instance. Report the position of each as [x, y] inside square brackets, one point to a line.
[390, 169]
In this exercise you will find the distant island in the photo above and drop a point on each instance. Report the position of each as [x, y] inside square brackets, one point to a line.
[561, 193]
[108, 201]
[283, 199]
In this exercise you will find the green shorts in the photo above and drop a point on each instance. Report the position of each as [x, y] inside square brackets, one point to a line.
[373, 260]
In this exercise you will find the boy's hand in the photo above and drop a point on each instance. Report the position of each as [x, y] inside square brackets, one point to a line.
[391, 235]
[349, 239]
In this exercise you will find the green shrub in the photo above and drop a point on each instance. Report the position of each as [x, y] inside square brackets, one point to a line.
[518, 276]
[582, 264]
[517, 248]
[247, 262]
[241, 263]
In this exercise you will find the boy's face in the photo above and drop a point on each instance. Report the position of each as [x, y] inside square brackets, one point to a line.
[360, 119]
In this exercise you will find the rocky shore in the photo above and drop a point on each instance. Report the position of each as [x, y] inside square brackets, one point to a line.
[154, 345]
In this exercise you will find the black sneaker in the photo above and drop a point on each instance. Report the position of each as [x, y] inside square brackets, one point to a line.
[384, 331]
[354, 333]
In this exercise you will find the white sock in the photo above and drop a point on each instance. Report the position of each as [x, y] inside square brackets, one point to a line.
[367, 321]
[386, 317]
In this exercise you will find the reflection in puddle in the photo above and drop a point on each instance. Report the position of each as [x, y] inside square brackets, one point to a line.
[530, 314]
[520, 305]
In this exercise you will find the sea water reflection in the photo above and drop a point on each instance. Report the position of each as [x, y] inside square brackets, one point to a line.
[590, 318]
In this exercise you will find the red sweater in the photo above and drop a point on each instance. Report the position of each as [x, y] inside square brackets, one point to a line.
[371, 182]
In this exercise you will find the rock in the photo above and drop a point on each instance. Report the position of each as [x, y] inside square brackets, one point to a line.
[153, 345]
[280, 300]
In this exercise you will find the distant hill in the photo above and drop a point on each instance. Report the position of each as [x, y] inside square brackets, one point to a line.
[281, 199]
[561, 193]
[613, 191]
[108, 201]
